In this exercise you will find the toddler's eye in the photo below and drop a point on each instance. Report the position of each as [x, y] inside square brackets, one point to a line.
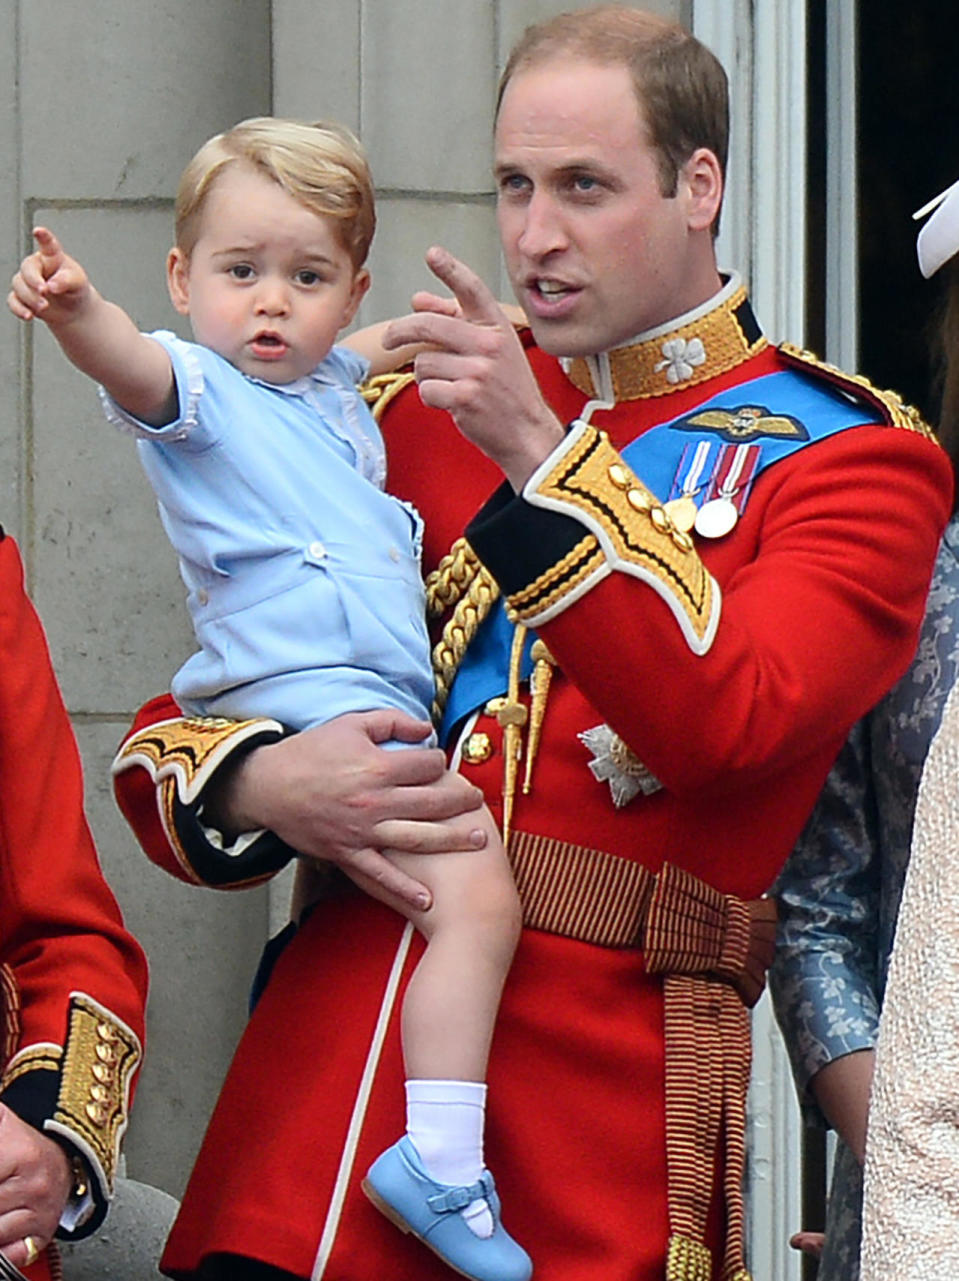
[241, 271]
[306, 277]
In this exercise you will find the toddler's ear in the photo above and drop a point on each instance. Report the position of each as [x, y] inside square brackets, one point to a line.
[178, 279]
[361, 283]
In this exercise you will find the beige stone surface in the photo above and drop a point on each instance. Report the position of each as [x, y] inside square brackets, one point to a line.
[427, 84]
[148, 83]
[316, 65]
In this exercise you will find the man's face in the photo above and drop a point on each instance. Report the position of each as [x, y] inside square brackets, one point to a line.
[595, 253]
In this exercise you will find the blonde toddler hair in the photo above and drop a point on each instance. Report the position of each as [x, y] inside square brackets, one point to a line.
[321, 165]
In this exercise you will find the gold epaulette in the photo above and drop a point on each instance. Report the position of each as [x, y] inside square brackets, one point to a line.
[894, 410]
[379, 391]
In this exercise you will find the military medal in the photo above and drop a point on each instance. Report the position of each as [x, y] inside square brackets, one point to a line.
[728, 489]
[688, 482]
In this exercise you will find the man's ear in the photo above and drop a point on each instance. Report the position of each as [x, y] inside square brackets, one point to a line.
[703, 179]
[178, 279]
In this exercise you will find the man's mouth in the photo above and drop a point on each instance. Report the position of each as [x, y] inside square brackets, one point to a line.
[549, 299]
[551, 288]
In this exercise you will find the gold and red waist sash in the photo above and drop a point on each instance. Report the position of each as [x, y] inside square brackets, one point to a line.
[712, 951]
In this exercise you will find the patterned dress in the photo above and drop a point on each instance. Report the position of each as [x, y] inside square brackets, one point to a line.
[839, 893]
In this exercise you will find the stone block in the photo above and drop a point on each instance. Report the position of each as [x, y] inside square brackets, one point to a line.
[129, 1244]
[149, 81]
[427, 92]
[316, 60]
[406, 229]
[10, 329]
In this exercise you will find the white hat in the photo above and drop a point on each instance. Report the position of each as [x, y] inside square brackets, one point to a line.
[939, 239]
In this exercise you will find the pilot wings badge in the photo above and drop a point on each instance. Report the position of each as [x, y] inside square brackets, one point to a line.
[749, 422]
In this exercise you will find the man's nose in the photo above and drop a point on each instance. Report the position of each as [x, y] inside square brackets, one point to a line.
[543, 231]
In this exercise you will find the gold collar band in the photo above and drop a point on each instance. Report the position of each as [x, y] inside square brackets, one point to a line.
[706, 343]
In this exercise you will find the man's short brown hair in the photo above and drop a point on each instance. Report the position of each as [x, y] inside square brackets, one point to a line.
[680, 85]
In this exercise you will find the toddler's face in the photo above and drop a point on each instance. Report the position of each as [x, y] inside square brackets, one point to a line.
[268, 285]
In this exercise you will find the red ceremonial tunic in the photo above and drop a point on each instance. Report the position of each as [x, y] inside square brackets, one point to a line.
[73, 981]
[819, 591]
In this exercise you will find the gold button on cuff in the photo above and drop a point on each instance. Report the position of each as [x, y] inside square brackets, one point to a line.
[639, 500]
[96, 1113]
[660, 520]
[619, 476]
[477, 749]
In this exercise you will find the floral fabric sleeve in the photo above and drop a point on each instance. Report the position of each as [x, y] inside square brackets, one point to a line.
[824, 980]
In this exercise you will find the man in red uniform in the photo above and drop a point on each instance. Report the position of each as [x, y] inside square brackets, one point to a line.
[72, 980]
[707, 558]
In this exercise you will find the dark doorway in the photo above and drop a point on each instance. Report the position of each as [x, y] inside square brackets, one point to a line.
[908, 113]
[908, 151]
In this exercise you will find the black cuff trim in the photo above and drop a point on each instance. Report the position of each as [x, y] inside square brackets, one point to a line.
[33, 1096]
[261, 858]
[518, 542]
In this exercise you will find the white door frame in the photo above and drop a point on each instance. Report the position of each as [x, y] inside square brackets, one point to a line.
[762, 44]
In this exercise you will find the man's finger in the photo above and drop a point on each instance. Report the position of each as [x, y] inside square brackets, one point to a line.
[465, 833]
[475, 299]
[448, 332]
[375, 873]
[385, 724]
[423, 300]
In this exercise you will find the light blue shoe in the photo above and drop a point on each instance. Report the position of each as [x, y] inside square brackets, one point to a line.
[401, 1189]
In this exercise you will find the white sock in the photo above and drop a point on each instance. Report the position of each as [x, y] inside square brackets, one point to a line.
[444, 1122]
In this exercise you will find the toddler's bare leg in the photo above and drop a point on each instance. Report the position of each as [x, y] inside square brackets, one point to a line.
[449, 1010]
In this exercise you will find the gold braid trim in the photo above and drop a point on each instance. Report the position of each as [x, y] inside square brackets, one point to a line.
[894, 408]
[639, 370]
[99, 1060]
[10, 995]
[379, 391]
[687, 1260]
[461, 583]
[625, 529]
[188, 749]
[42, 1057]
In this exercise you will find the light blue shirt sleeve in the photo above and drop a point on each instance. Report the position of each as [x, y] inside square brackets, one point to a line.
[191, 367]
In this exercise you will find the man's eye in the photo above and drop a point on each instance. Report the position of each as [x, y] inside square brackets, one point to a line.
[512, 183]
[241, 271]
[585, 182]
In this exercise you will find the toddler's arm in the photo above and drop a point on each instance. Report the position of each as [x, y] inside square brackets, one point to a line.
[96, 335]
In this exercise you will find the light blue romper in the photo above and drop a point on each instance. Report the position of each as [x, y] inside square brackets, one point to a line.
[303, 575]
